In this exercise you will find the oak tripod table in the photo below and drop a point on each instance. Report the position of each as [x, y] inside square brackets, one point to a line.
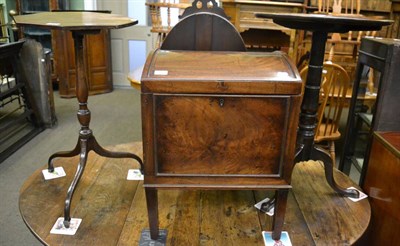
[80, 24]
[320, 25]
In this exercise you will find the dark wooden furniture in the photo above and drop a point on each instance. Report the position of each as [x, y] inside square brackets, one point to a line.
[116, 214]
[97, 52]
[383, 55]
[381, 184]
[204, 6]
[219, 120]
[97, 60]
[19, 118]
[320, 25]
[204, 28]
[80, 24]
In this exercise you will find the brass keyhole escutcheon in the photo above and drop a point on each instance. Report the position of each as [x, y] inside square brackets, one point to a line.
[221, 102]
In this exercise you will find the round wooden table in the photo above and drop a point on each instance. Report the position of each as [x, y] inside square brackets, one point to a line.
[113, 209]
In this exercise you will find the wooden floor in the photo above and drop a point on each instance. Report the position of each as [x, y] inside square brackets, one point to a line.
[113, 210]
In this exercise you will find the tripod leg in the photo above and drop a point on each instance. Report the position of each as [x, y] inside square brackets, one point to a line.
[111, 154]
[77, 177]
[70, 153]
[321, 154]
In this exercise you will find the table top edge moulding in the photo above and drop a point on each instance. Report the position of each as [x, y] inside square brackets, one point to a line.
[75, 20]
[317, 22]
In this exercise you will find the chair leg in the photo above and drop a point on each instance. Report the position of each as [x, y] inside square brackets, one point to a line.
[332, 152]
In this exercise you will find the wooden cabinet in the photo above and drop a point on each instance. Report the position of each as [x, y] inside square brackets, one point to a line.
[97, 54]
[381, 184]
[97, 61]
[219, 120]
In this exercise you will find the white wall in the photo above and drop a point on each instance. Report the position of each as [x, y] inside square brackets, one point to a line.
[77, 4]
[90, 4]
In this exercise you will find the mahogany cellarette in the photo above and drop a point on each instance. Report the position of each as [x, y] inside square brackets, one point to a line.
[219, 120]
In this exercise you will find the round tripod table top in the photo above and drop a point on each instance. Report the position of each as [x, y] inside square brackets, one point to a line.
[75, 20]
[326, 22]
[113, 209]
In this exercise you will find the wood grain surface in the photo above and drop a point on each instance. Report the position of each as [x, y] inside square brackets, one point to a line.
[325, 211]
[75, 20]
[381, 184]
[217, 139]
[113, 209]
[223, 72]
